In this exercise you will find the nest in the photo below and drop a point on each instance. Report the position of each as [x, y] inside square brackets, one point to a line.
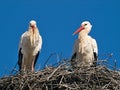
[62, 77]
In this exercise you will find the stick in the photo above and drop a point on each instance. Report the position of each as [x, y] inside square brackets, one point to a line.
[53, 72]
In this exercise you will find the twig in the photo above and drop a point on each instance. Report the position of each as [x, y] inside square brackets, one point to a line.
[61, 79]
[68, 87]
[115, 65]
[53, 72]
[48, 59]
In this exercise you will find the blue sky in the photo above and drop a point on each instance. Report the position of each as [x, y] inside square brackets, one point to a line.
[57, 20]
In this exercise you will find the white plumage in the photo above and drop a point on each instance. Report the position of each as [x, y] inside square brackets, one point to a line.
[29, 48]
[85, 50]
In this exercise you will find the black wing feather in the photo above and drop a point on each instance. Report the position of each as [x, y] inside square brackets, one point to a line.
[20, 56]
[73, 56]
[95, 58]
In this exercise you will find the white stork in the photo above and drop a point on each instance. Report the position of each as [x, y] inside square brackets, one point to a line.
[29, 48]
[85, 50]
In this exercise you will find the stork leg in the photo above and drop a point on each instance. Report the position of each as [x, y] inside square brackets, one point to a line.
[33, 66]
[34, 61]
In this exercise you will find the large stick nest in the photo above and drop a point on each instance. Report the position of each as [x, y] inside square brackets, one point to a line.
[64, 78]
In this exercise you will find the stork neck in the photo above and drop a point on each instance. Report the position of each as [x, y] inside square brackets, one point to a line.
[33, 30]
[82, 35]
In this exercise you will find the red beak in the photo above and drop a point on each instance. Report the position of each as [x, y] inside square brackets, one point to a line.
[78, 30]
[32, 26]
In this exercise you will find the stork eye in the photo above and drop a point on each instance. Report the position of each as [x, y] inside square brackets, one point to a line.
[85, 24]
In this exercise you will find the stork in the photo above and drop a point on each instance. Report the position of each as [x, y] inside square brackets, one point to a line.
[29, 48]
[85, 50]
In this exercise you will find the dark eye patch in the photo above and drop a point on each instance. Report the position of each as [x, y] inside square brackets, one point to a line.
[85, 24]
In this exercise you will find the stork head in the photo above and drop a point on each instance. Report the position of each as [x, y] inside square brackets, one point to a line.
[84, 26]
[33, 24]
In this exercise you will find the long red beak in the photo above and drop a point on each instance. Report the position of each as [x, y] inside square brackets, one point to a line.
[33, 28]
[78, 30]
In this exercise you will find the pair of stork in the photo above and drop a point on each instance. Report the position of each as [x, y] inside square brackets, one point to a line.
[85, 47]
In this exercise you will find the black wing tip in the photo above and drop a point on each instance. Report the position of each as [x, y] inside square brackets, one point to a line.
[95, 58]
[74, 56]
[20, 56]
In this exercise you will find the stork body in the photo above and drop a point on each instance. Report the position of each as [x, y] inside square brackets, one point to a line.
[29, 48]
[85, 48]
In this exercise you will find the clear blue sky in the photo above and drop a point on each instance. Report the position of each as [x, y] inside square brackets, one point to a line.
[57, 20]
